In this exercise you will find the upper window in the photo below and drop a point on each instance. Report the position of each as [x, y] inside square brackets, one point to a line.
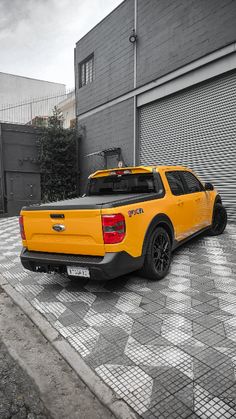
[122, 184]
[175, 183]
[193, 184]
[86, 71]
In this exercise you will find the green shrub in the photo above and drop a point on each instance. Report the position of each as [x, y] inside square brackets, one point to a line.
[58, 158]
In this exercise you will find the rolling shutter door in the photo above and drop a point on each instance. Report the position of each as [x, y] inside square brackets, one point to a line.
[195, 128]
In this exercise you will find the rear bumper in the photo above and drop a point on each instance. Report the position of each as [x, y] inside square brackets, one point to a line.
[110, 266]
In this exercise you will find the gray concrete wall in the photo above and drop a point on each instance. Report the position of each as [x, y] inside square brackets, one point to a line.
[172, 33]
[112, 127]
[15, 89]
[113, 58]
[21, 98]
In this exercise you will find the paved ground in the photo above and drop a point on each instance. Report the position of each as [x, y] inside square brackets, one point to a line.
[167, 348]
[19, 398]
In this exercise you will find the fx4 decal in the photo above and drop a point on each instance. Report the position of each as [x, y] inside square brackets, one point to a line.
[135, 212]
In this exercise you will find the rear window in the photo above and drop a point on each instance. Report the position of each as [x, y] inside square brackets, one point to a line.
[122, 184]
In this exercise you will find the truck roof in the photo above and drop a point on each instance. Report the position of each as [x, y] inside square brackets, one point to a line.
[135, 169]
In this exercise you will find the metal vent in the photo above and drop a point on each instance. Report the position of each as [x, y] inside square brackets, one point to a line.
[195, 128]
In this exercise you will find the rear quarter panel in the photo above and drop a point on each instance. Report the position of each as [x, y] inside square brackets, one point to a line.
[138, 217]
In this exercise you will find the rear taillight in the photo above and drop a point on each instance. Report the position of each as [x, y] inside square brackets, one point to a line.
[113, 228]
[22, 230]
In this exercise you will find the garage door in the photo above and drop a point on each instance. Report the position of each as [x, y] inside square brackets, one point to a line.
[195, 128]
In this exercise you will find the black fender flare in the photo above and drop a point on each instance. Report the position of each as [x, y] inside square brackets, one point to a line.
[218, 200]
[161, 220]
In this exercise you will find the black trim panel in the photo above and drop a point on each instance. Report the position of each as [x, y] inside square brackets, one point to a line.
[55, 216]
[90, 202]
[218, 199]
[110, 266]
[159, 219]
[61, 257]
[177, 243]
[150, 197]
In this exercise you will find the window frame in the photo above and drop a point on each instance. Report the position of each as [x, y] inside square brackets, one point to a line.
[157, 181]
[188, 192]
[181, 179]
[82, 71]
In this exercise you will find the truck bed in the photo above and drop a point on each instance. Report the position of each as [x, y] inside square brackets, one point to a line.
[94, 202]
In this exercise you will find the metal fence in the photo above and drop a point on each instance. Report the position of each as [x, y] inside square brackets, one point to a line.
[34, 111]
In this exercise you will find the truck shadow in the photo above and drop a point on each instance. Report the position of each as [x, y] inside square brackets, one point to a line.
[194, 246]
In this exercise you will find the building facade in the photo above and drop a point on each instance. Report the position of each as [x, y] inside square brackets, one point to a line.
[157, 80]
[67, 107]
[22, 99]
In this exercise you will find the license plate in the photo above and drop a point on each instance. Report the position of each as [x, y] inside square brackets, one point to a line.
[77, 271]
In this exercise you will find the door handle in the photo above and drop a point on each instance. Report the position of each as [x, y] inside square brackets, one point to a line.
[198, 199]
[180, 203]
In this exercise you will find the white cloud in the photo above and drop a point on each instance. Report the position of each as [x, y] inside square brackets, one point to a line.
[37, 37]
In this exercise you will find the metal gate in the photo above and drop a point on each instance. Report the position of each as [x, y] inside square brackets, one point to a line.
[19, 168]
[195, 128]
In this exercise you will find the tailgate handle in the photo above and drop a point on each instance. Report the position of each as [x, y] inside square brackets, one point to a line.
[57, 216]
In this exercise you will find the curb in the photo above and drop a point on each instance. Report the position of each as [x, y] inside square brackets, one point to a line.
[107, 397]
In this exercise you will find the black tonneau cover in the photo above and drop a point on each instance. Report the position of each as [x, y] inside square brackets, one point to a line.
[95, 202]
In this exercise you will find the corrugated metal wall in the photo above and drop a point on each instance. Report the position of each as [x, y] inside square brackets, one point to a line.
[195, 128]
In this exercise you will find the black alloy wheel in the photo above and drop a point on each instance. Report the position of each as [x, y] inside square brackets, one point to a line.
[158, 257]
[219, 221]
[160, 252]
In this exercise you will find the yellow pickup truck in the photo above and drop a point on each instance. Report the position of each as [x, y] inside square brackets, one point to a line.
[129, 219]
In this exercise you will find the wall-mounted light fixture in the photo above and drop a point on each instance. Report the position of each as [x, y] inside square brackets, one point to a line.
[133, 37]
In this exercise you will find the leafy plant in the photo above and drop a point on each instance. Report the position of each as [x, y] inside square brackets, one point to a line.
[58, 158]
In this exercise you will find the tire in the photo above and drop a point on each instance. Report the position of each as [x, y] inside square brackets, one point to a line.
[158, 257]
[219, 220]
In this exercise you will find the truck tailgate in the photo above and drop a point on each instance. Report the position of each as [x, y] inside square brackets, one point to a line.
[82, 235]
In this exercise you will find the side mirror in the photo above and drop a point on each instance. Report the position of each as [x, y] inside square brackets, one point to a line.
[209, 187]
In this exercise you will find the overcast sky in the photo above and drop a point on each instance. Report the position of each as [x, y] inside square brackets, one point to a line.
[37, 37]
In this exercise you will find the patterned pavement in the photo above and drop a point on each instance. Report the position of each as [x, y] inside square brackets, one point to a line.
[168, 348]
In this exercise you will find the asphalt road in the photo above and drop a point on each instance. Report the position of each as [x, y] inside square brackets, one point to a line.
[19, 397]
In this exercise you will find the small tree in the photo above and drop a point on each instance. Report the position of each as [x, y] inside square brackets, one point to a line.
[58, 157]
